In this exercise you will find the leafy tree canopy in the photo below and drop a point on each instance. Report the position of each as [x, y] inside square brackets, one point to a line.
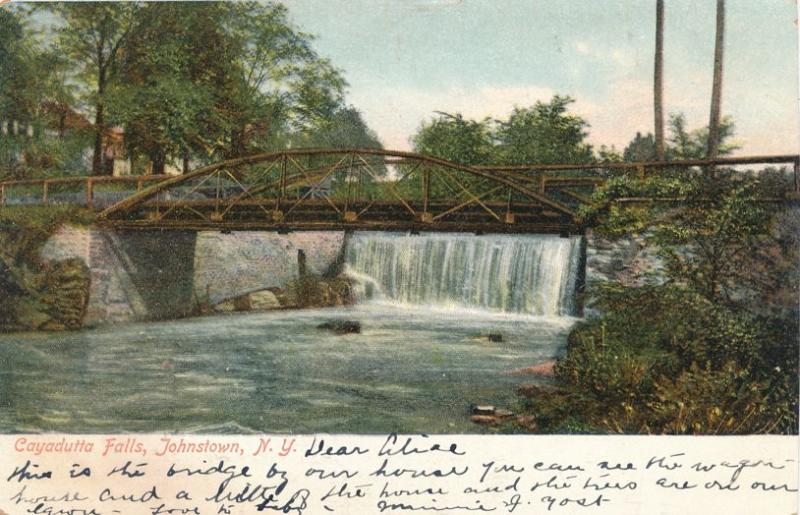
[452, 137]
[543, 133]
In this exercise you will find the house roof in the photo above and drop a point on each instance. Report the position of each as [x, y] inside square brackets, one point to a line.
[73, 120]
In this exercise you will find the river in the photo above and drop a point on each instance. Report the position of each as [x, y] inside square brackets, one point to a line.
[418, 365]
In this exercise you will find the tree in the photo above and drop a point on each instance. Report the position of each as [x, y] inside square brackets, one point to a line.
[452, 137]
[714, 130]
[220, 80]
[279, 84]
[545, 133]
[641, 148]
[176, 66]
[15, 52]
[685, 144]
[658, 82]
[344, 129]
[610, 154]
[92, 36]
[718, 242]
[34, 94]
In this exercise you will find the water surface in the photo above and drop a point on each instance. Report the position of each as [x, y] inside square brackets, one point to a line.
[410, 370]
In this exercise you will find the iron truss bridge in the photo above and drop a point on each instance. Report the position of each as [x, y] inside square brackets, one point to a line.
[354, 189]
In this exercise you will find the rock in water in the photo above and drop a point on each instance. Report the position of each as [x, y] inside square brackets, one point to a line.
[341, 326]
[483, 410]
[546, 369]
[488, 337]
[488, 420]
[264, 300]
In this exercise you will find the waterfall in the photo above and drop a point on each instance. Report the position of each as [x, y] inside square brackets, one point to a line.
[519, 274]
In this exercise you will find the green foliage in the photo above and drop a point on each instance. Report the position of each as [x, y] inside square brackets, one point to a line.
[713, 236]
[219, 79]
[166, 101]
[32, 82]
[715, 244]
[544, 133]
[345, 128]
[25, 229]
[16, 51]
[92, 37]
[24, 303]
[707, 347]
[681, 143]
[452, 137]
[197, 80]
[610, 217]
[607, 154]
[685, 144]
[665, 360]
[641, 148]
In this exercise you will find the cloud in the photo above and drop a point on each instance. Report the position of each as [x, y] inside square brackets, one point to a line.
[627, 108]
[616, 56]
[623, 108]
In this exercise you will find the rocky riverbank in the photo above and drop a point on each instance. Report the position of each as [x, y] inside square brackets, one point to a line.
[302, 293]
[54, 299]
[36, 294]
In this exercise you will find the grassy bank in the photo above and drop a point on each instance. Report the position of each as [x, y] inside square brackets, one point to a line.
[664, 360]
[709, 347]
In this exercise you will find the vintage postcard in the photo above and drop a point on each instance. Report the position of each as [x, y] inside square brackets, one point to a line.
[362, 256]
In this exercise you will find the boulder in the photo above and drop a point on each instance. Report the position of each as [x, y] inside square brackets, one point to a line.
[483, 410]
[226, 306]
[341, 326]
[488, 420]
[264, 300]
[546, 369]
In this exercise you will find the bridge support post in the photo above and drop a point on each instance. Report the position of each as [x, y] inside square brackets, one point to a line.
[426, 189]
[797, 176]
[282, 194]
[89, 193]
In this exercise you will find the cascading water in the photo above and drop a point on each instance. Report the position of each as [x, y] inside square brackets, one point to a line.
[533, 275]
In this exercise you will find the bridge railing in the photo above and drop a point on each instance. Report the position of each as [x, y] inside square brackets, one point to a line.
[568, 181]
[92, 192]
[559, 176]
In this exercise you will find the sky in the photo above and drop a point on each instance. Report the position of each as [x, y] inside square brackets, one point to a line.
[405, 59]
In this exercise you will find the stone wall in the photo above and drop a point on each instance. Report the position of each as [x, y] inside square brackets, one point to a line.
[108, 299]
[139, 275]
[626, 261]
[230, 265]
[133, 276]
